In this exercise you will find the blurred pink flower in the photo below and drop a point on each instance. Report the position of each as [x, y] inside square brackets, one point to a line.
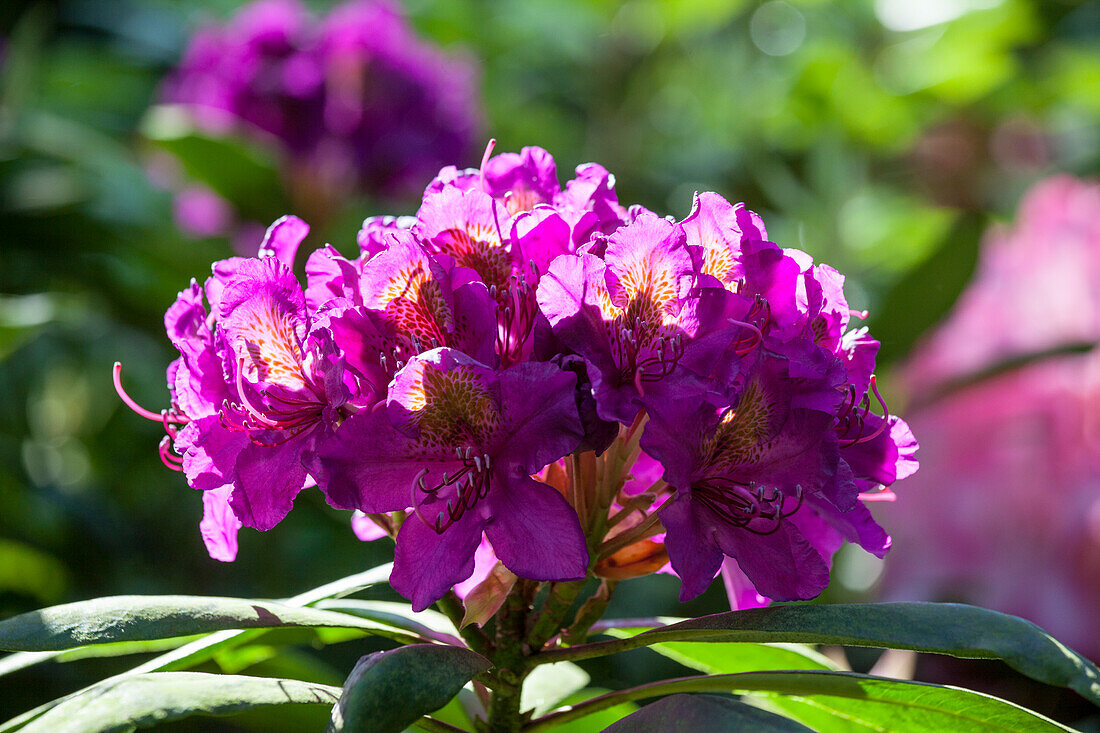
[1005, 512]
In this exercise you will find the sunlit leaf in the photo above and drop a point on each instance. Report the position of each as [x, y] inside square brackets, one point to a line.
[549, 684]
[729, 657]
[141, 701]
[881, 704]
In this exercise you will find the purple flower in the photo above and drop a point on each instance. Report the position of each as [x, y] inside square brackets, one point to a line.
[352, 101]
[639, 319]
[747, 476]
[715, 402]
[458, 443]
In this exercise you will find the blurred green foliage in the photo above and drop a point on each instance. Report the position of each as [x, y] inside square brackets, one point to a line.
[878, 136]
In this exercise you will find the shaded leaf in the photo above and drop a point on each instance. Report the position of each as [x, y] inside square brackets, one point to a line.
[237, 170]
[137, 618]
[696, 713]
[142, 701]
[390, 690]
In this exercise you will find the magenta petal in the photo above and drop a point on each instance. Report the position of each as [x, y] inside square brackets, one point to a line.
[219, 524]
[369, 465]
[329, 277]
[542, 234]
[282, 239]
[209, 452]
[365, 528]
[427, 564]
[569, 296]
[266, 482]
[741, 592]
[484, 562]
[535, 533]
[185, 322]
[690, 550]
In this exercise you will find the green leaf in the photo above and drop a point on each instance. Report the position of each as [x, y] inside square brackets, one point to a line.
[428, 624]
[142, 701]
[908, 706]
[695, 713]
[549, 684]
[389, 691]
[729, 657]
[880, 704]
[202, 649]
[238, 170]
[943, 628]
[597, 720]
[137, 618]
[189, 650]
[924, 296]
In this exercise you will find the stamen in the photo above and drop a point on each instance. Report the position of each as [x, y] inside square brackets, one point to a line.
[464, 489]
[740, 346]
[885, 413]
[485, 158]
[747, 506]
[246, 403]
[169, 459]
[147, 414]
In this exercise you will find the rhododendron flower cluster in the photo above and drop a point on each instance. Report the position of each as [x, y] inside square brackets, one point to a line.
[536, 376]
[353, 100]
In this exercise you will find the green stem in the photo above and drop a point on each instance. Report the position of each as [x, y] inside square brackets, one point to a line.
[474, 637]
[589, 613]
[510, 659]
[593, 649]
[550, 618]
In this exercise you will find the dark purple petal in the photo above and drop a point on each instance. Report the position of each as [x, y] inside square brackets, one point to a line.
[691, 549]
[427, 564]
[782, 565]
[534, 532]
[369, 465]
[540, 420]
